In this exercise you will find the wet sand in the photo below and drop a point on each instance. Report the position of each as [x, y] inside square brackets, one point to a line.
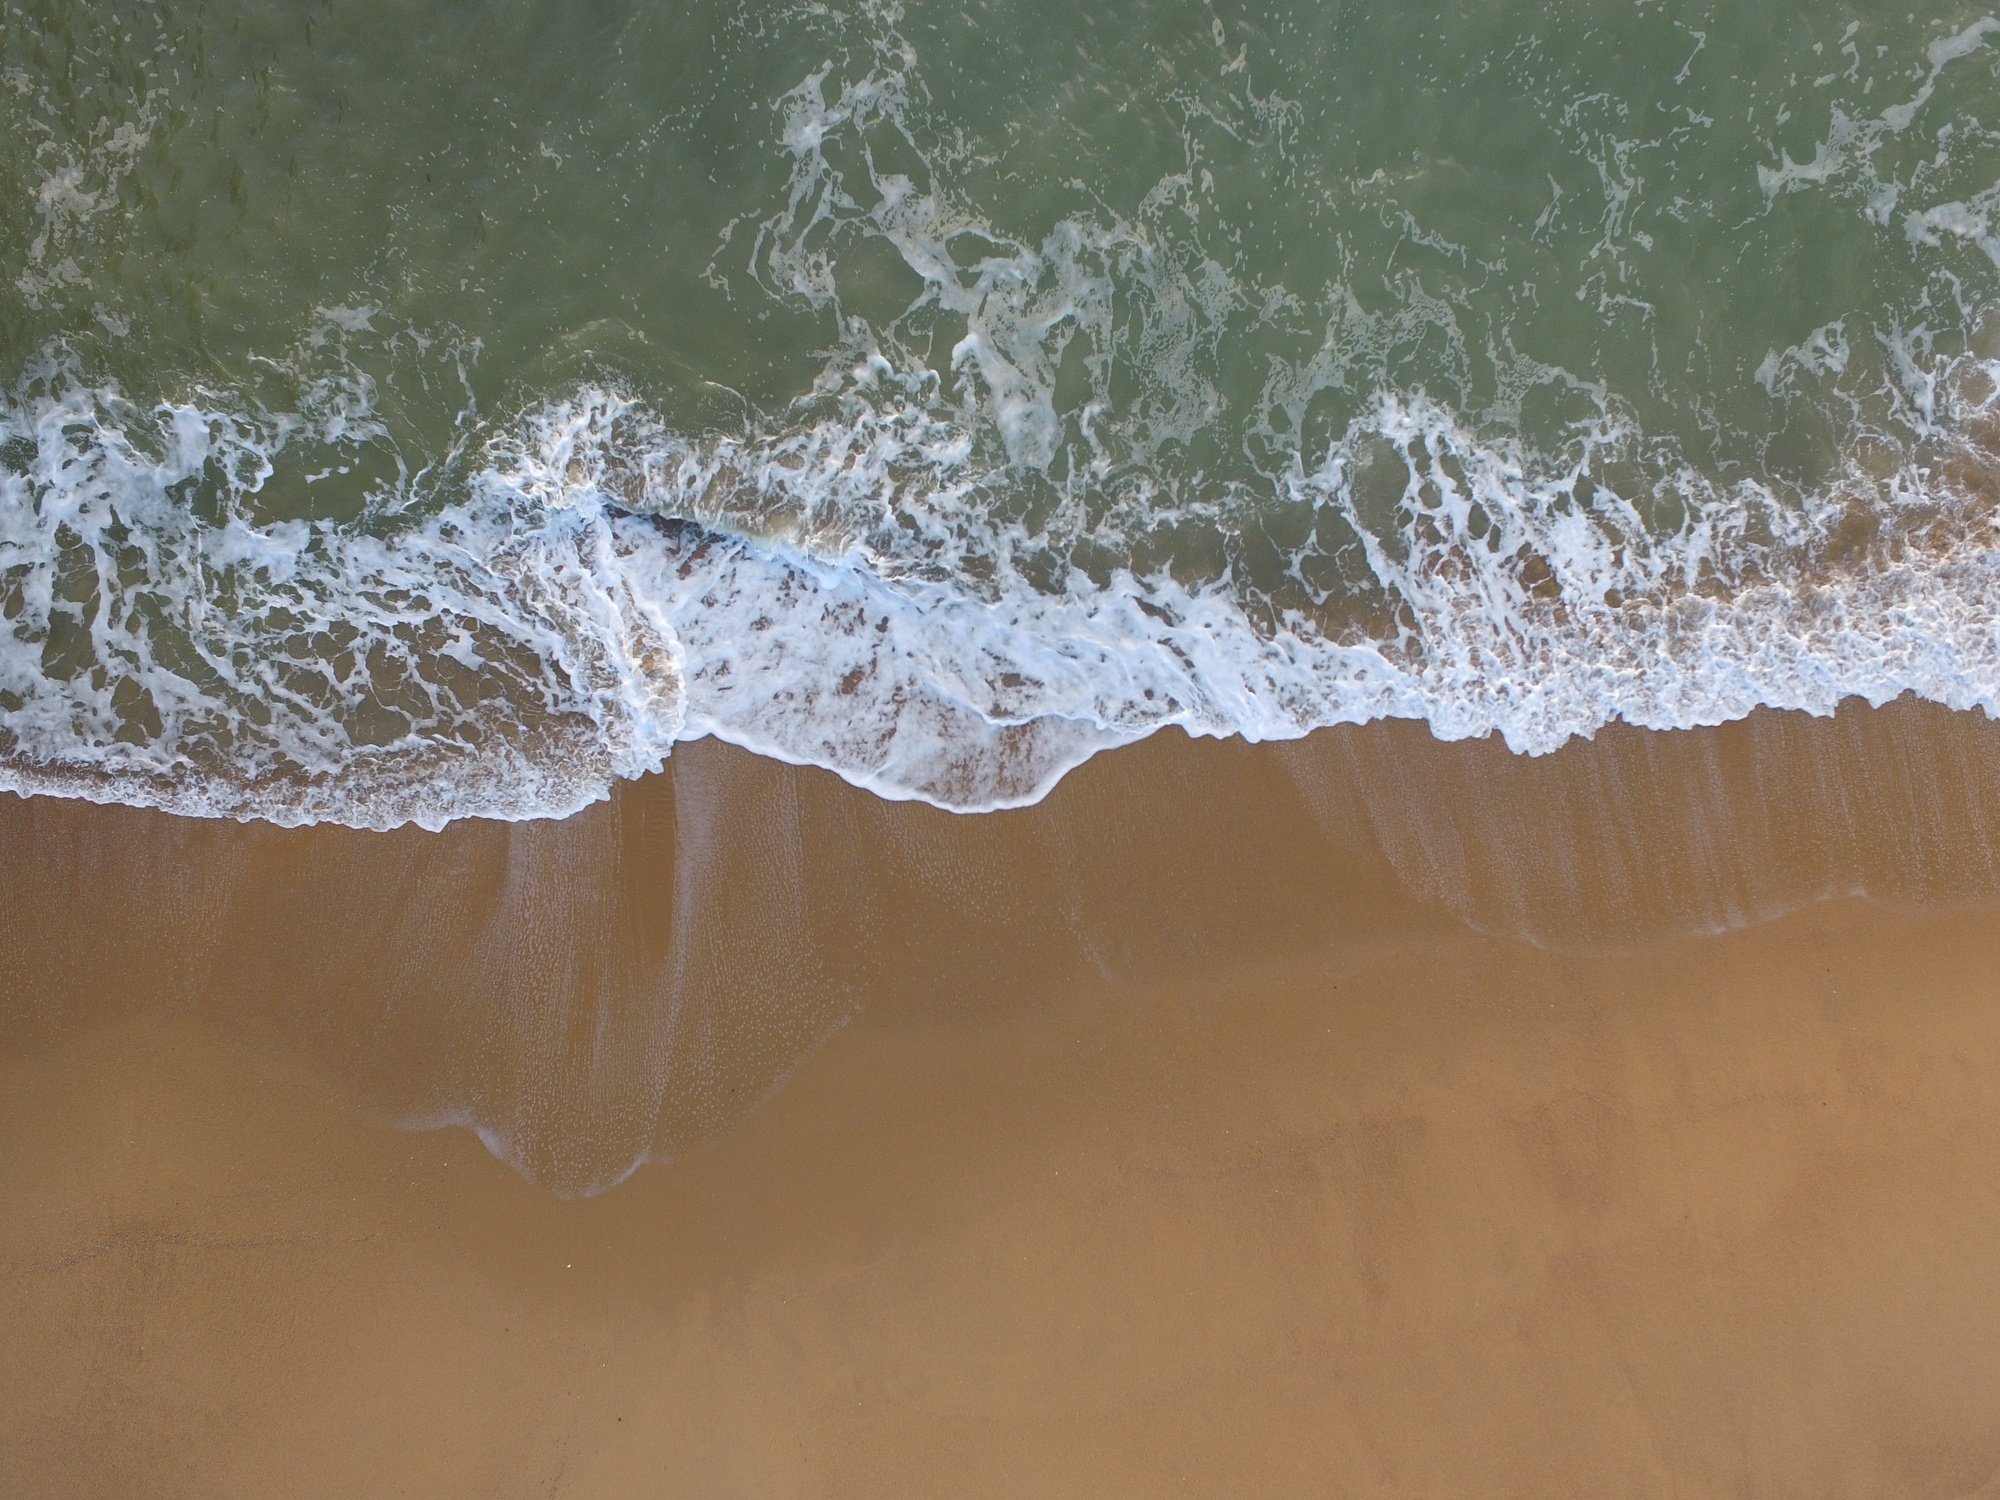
[1365, 1117]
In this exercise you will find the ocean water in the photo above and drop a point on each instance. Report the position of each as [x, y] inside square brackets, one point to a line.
[410, 412]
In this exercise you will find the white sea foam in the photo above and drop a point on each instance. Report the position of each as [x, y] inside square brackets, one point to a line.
[600, 594]
[162, 645]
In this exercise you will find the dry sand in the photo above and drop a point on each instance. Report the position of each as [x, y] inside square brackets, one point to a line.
[1367, 1117]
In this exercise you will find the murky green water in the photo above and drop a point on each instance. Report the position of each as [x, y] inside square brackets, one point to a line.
[418, 411]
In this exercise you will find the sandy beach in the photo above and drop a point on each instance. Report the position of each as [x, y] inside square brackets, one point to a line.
[831, 749]
[1368, 1116]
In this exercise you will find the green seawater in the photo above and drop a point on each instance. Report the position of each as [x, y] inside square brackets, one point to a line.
[421, 410]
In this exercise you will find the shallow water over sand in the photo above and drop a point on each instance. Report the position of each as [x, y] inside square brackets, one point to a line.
[626, 983]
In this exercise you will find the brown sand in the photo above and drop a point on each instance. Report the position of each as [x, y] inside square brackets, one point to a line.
[1368, 1117]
